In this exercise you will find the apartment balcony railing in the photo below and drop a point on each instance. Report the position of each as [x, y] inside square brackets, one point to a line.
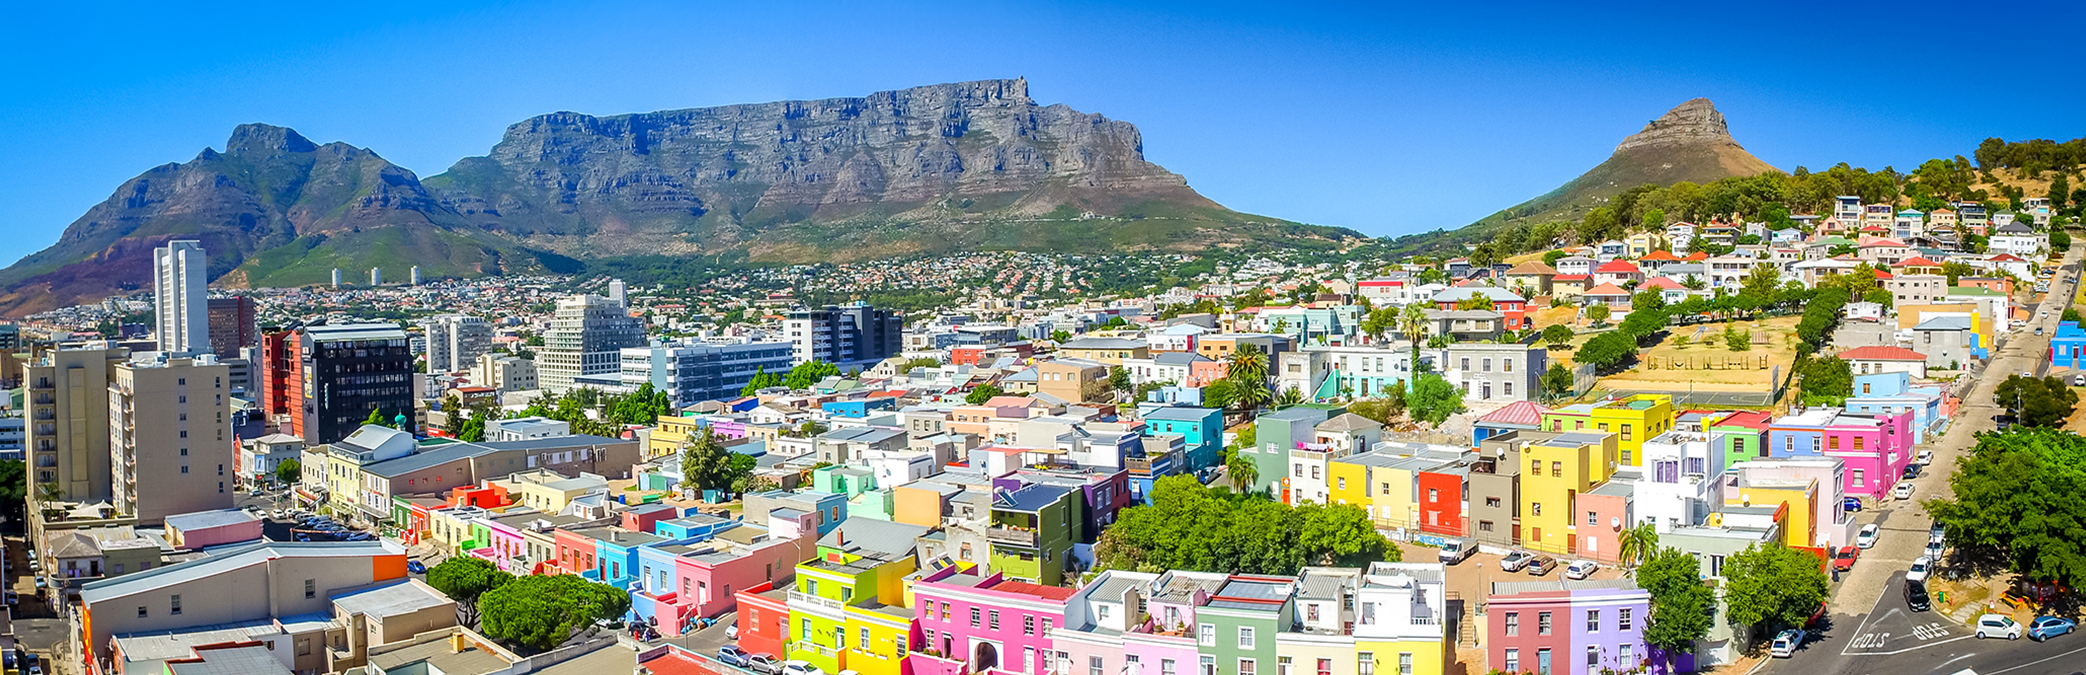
[796, 597]
[1008, 535]
[813, 647]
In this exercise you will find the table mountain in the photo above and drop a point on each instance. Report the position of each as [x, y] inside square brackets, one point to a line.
[951, 167]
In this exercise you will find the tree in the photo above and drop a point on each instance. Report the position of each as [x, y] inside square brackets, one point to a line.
[2036, 402]
[982, 393]
[1242, 471]
[1607, 352]
[1826, 381]
[1737, 340]
[1380, 322]
[809, 373]
[1763, 281]
[542, 612]
[1119, 378]
[762, 379]
[465, 579]
[14, 489]
[376, 417]
[2016, 501]
[1097, 390]
[1474, 302]
[1681, 606]
[1598, 313]
[1379, 410]
[473, 430]
[1191, 527]
[1557, 335]
[289, 472]
[707, 465]
[922, 362]
[1637, 543]
[1558, 380]
[1412, 320]
[1289, 397]
[1433, 399]
[2070, 314]
[1060, 336]
[1773, 585]
[452, 409]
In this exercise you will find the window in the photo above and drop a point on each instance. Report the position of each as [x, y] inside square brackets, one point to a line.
[1094, 666]
[974, 617]
[1282, 664]
[1343, 482]
[1166, 667]
[1535, 508]
[1622, 654]
[1028, 624]
[899, 644]
[1622, 616]
[1510, 387]
[1832, 442]
[1857, 442]
[1535, 467]
[995, 619]
[1404, 663]
[1593, 621]
[1364, 663]
[1513, 661]
[1028, 659]
[1433, 495]
[1484, 526]
[1246, 666]
[311, 589]
[1513, 624]
[1593, 519]
[1311, 612]
[1487, 365]
[1593, 658]
[1246, 636]
[1325, 667]
[1543, 661]
[141, 611]
[1556, 469]
[1207, 663]
[945, 611]
[1859, 480]
[1542, 623]
[1626, 432]
[862, 639]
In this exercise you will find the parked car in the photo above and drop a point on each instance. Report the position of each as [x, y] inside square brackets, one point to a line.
[733, 655]
[2046, 627]
[2038, 330]
[1456, 551]
[1902, 491]
[1927, 456]
[1850, 504]
[1514, 561]
[1998, 626]
[1844, 559]
[1934, 550]
[2079, 380]
[731, 632]
[1911, 471]
[1541, 565]
[1785, 644]
[1867, 537]
[1916, 596]
[763, 663]
[416, 567]
[1920, 569]
[795, 667]
[1580, 569]
[1937, 534]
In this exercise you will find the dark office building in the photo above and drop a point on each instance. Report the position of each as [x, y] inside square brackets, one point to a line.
[232, 326]
[349, 370]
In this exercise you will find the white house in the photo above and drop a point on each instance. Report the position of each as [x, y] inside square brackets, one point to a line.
[1874, 359]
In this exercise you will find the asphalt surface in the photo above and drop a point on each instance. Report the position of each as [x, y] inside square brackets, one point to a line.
[1869, 630]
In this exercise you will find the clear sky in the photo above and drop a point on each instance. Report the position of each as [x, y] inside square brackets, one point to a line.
[1385, 118]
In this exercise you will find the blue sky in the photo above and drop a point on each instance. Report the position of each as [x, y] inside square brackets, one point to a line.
[1385, 118]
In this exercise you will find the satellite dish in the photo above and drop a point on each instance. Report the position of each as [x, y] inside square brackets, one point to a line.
[1615, 522]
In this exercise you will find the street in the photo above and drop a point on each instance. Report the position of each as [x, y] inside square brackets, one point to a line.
[1870, 629]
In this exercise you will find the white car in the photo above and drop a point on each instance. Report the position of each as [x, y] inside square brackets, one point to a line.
[1926, 457]
[795, 667]
[1867, 537]
[1919, 569]
[1902, 491]
[1933, 550]
[1514, 561]
[1580, 569]
[1998, 626]
[1785, 644]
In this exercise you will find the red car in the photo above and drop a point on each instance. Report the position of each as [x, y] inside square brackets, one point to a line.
[1845, 559]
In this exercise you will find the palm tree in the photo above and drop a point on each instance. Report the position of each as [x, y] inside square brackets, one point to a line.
[1289, 397]
[1242, 471]
[1413, 321]
[1249, 362]
[1636, 544]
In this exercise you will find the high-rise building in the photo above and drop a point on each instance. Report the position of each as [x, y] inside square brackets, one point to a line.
[586, 337]
[170, 437]
[336, 277]
[376, 276]
[181, 295]
[694, 372]
[852, 335]
[232, 326]
[67, 397]
[346, 371]
[454, 341]
[504, 373]
[281, 376]
[416, 275]
[10, 336]
[618, 293]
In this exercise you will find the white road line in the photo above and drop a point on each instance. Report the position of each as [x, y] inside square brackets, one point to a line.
[2030, 663]
[1910, 649]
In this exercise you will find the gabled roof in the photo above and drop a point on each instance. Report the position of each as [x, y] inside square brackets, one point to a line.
[1518, 412]
[1617, 267]
[1881, 353]
[1532, 267]
[1570, 277]
[1659, 256]
[1697, 255]
[2006, 258]
[1606, 289]
[1918, 261]
[1662, 283]
[1348, 422]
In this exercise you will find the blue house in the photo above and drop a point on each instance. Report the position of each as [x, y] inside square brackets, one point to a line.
[2068, 347]
[859, 408]
[694, 527]
[1201, 429]
[1885, 393]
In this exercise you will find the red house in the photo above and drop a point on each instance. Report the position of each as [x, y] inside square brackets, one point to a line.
[576, 554]
[764, 619]
[646, 518]
[1441, 500]
[967, 355]
[1503, 301]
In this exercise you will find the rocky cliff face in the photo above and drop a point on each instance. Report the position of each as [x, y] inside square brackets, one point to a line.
[708, 178]
[1695, 122]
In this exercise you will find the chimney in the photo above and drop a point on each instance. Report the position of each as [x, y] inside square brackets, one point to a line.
[457, 642]
[840, 534]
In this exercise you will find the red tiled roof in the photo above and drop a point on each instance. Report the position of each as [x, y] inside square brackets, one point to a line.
[1878, 353]
[1518, 412]
[1381, 282]
[2007, 257]
[1917, 261]
[1607, 289]
[1698, 255]
[1570, 277]
[1663, 282]
[1617, 267]
[1057, 593]
[1880, 274]
[673, 662]
[1660, 256]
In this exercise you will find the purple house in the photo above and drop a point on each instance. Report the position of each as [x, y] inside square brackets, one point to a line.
[1874, 447]
[1573, 628]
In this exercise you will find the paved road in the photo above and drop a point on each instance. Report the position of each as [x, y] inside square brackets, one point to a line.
[1871, 632]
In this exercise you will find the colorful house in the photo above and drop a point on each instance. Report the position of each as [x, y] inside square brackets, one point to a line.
[1237, 627]
[848, 613]
[1884, 393]
[1875, 448]
[681, 582]
[1633, 419]
[1517, 415]
[1560, 466]
[2068, 346]
[1201, 430]
[1278, 433]
[1032, 530]
[1743, 435]
[1571, 628]
[985, 622]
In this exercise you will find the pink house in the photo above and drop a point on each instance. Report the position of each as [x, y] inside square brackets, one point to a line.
[1601, 514]
[1167, 638]
[682, 581]
[1874, 448]
[646, 518]
[203, 529]
[991, 623]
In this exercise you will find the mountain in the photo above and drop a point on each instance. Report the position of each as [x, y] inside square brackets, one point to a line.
[273, 209]
[1690, 143]
[951, 167]
[970, 165]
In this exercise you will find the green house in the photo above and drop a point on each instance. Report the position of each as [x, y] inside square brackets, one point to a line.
[1032, 531]
[1245, 615]
[1279, 432]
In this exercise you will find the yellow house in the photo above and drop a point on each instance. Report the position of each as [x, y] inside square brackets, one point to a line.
[548, 491]
[844, 612]
[1316, 654]
[670, 433]
[1107, 350]
[1557, 468]
[1796, 495]
[1634, 420]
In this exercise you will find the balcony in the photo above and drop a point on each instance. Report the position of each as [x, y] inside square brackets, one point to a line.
[1008, 535]
[802, 646]
[815, 602]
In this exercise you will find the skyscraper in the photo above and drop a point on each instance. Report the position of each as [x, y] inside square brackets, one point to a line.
[376, 276]
[67, 397]
[586, 337]
[618, 293]
[349, 370]
[170, 437]
[232, 326]
[847, 336]
[454, 341]
[181, 296]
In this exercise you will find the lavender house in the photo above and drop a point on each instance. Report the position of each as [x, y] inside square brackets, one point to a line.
[1572, 628]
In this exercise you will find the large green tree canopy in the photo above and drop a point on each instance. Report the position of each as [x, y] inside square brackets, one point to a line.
[543, 611]
[2017, 501]
[1191, 527]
